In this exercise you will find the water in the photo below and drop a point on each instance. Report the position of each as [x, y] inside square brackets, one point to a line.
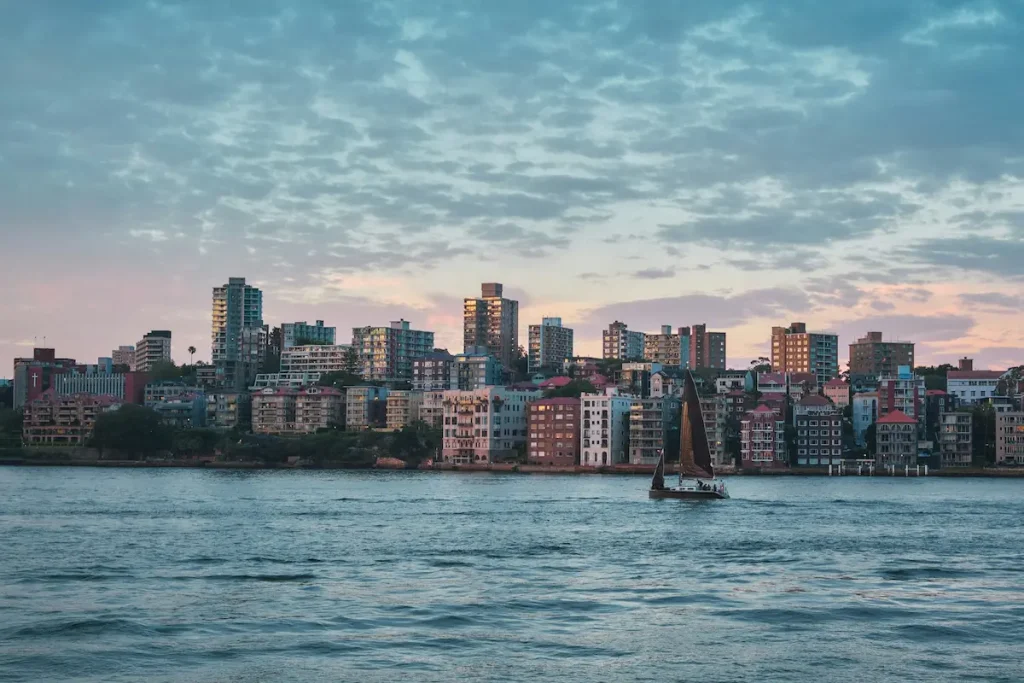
[191, 575]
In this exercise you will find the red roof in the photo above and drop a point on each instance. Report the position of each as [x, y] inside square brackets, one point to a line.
[934, 392]
[555, 382]
[974, 374]
[763, 409]
[772, 377]
[836, 382]
[815, 400]
[897, 417]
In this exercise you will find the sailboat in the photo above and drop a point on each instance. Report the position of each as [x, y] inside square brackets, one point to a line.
[696, 471]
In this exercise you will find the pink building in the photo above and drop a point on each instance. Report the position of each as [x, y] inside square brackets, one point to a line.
[763, 439]
[52, 420]
[837, 391]
[896, 439]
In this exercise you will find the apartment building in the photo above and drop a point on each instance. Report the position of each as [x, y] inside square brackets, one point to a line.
[650, 420]
[763, 439]
[154, 348]
[239, 338]
[474, 370]
[179, 405]
[621, 343]
[794, 349]
[365, 408]
[54, 420]
[403, 408]
[492, 322]
[819, 432]
[896, 440]
[837, 391]
[604, 429]
[303, 334]
[432, 408]
[554, 432]
[285, 380]
[664, 347]
[865, 414]
[434, 371]
[904, 392]
[715, 411]
[1010, 438]
[870, 355]
[973, 386]
[124, 356]
[955, 446]
[228, 410]
[550, 345]
[484, 425]
[707, 349]
[386, 354]
[318, 358]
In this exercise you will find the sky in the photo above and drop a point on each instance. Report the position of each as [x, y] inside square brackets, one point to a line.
[856, 166]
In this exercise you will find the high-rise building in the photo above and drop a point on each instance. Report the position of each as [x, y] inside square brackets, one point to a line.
[794, 349]
[475, 370]
[664, 347]
[316, 358]
[550, 344]
[386, 354]
[239, 338]
[153, 348]
[124, 355]
[303, 334]
[621, 343]
[492, 321]
[870, 355]
[433, 372]
[604, 429]
[705, 349]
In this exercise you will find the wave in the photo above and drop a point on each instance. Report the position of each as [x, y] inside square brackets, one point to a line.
[273, 578]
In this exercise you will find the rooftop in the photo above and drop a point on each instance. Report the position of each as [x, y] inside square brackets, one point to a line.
[564, 401]
[815, 400]
[896, 417]
[974, 374]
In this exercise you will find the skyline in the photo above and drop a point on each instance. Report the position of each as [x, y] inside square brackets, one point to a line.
[744, 165]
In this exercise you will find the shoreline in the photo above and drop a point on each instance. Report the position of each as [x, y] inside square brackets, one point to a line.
[502, 468]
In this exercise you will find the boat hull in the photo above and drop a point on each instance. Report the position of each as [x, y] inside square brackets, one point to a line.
[686, 494]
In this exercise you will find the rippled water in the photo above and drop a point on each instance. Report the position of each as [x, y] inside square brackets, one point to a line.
[116, 575]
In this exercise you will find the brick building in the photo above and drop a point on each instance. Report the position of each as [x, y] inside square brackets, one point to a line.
[554, 431]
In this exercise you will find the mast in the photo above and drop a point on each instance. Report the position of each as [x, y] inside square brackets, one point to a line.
[694, 452]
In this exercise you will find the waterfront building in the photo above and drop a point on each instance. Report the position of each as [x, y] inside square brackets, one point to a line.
[434, 372]
[484, 425]
[227, 410]
[285, 380]
[386, 354]
[125, 356]
[239, 338]
[837, 391]
[475, 370]
[869, 355]
[973, 386]
[819, 432]
[554, 429]
[154, 348]
[706, 349]
[296, 411]
[650, 420]
[303, 334]
[896, 440]
[179, 405]
[550, 345]
[621, 343]
[403, 409]
[33, 376]
[954, 442]
[319, 358]
[664, 348]
[492, 322]
[714, 409]
[936, 402]
[604, 429]
[763, 439]
[1010, 438]
[865, 414]
[54, 420]
[794, 349]
[903, 392]
[365, 408]
[432, 408]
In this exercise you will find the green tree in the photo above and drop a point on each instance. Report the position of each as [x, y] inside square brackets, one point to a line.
[983, 435]
[351, 362]
[10, 427]
[871, 439]
[132, 429]
[732, 440]
[571, 390]
[6, 397]
[934, 376]
[191, 355]
[167, 371]
[342, 379]
[761, 364]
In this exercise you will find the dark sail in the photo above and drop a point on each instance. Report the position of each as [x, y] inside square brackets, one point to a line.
[694, 452]
[658, 483]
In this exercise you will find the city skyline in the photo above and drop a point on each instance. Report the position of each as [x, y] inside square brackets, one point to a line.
[706, 164]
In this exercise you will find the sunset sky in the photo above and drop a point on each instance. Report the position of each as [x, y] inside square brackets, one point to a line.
[853, 165]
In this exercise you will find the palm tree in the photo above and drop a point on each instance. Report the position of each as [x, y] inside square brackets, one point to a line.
[191, 352]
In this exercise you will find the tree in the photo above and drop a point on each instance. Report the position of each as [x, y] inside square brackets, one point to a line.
[351, 362]
[571, 390]
[761, 364]
[934, 376]
[983, 435]
[133, 429]
[341, 379]
[732, 440]
[520, 365]
[191, 355]
[871, 439]
[167, 371]
[10, 427]
[7, 397]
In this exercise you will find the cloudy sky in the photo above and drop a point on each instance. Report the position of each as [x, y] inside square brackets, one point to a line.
[854, 165]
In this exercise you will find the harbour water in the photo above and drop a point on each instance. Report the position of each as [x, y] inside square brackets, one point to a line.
[192, 575]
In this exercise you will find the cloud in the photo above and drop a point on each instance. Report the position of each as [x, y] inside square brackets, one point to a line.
[994, 300]
[654, 273]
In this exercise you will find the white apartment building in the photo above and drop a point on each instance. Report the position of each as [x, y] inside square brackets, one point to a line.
[484, 424]
[315, 358]
[603, 428]
[153, 348]
[403, 408]
[865, 413]
[972, 386]
[285, 380]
